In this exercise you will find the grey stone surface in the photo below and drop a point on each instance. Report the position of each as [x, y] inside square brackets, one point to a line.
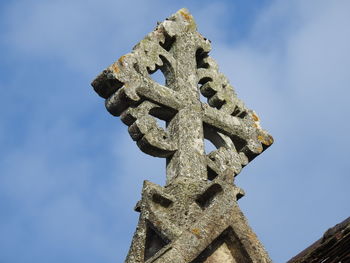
[195, 216]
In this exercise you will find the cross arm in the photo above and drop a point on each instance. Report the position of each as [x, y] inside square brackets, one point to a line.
[245, 133]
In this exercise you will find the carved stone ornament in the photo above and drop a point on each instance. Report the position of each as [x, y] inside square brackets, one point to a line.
[194, 217]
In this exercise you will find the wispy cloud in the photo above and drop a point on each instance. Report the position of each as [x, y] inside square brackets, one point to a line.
[70, 174]
[292, 70]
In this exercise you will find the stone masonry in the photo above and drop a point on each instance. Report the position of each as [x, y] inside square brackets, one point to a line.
[195, 217]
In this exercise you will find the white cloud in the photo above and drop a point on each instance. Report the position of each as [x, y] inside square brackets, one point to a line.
[291, 68]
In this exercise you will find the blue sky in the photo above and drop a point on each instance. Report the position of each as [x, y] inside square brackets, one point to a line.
[69, 173]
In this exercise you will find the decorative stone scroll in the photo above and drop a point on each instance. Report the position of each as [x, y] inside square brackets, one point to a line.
[195, 217]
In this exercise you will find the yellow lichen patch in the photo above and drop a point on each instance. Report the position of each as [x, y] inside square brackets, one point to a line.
[261, 138]
[255, 117]
[186, 15]
[115, 68]
[196, 231]
[270, 139]
[265, 140]
[121, 59]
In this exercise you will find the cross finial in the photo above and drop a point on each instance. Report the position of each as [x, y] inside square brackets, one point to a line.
[199, 185]
[181, 53]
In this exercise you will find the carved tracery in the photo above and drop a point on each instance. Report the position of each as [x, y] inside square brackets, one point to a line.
[197, 208]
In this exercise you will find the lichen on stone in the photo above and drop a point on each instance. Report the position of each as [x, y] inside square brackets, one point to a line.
[196, 213]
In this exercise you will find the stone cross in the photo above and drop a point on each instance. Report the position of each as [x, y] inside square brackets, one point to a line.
[195, 217]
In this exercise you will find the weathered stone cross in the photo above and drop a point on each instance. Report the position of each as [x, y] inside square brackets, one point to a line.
[195, 217]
